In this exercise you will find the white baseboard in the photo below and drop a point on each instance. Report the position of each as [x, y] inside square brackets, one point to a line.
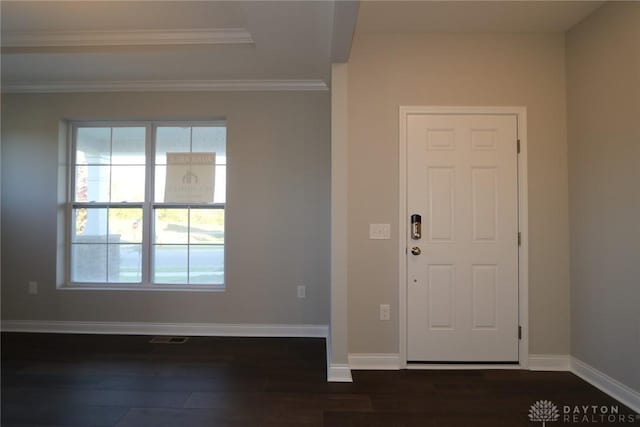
[462, 366]
[549, 362]
[604, 382]
[374, 361]
[339, 374]
[144, 328]
[391, 361]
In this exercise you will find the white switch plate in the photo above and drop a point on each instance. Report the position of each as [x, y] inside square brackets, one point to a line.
[33, 288]
[385, 312]
[380, 231]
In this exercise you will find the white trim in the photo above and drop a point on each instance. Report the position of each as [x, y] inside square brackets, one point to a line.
[549, 362]
[402, 236]
[144, 328]
[339, 297]
[206, 36]
[338, 373]
[464, 366]
[523, 252]
[391, 361]
[165, 86]
[137, 287]
[374, 361]
[523, 222]
[327, 343]
[604, 382]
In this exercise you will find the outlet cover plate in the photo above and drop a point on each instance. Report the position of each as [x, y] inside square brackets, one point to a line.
[385, 312]
[302, 291]
[33, 288]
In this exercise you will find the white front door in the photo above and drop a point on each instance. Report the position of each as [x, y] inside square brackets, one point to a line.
[462, 281]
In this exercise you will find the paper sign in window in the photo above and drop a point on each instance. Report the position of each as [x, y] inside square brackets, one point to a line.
[190, 177]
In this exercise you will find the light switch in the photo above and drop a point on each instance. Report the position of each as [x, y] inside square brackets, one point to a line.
[380, 231]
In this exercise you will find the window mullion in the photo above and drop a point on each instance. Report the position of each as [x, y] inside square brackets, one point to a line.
[106, 205]
[189, 217]
[188, 246]
[108, 246]
[147, 211]
[71, 196]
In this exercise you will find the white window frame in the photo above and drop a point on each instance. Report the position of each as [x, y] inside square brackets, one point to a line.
[148, 207]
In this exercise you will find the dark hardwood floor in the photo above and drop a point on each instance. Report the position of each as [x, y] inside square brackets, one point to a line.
[124, 381]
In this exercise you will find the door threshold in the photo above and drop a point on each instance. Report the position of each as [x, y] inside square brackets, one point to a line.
[463, 365]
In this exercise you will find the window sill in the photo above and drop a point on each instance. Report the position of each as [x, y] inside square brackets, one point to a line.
[142, 287]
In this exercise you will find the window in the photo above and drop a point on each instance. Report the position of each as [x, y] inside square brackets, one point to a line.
[147, 205]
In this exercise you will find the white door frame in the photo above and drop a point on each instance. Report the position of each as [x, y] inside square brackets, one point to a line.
[523, 251]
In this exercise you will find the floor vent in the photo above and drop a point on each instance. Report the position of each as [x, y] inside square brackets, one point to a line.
[169, 340]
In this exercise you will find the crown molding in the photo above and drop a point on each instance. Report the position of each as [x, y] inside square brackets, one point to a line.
[39, 39]
[166, 86]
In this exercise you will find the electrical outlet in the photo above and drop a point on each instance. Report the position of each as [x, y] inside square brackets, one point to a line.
[33, 288]
[302, 291]
[385, 312]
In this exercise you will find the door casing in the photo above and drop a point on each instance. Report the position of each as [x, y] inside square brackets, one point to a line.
[523, 250]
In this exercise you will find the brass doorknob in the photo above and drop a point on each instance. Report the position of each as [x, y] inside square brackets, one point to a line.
[416, 250]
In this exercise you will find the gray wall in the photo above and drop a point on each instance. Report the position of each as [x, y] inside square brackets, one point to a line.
[603, 82]
[277, 208]
[388, 70]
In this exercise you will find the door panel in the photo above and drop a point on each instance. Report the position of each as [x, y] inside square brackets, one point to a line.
[440, 189]
[462, 290]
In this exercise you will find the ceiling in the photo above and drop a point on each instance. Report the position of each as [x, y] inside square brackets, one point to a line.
[472, 16]
[125, 41]
[217, 44]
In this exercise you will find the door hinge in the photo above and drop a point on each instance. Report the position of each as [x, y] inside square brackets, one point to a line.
[519, 332]
[518, 146]
[519, 238]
